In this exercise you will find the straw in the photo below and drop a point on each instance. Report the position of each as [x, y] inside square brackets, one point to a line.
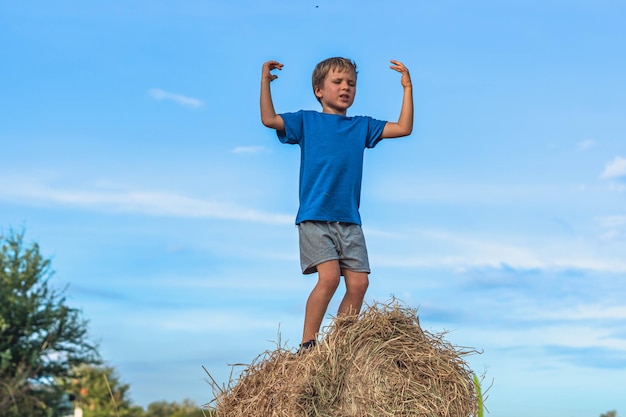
[379, 363]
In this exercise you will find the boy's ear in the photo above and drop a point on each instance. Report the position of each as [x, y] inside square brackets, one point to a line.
[318, 92]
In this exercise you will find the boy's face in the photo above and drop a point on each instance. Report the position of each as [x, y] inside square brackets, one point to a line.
[337, 93]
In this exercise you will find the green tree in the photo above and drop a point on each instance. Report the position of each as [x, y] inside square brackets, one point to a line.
[609, 414]
[185, 409]
[100, 393]
[41, 337]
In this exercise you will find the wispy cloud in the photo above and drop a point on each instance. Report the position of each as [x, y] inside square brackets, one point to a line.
[451, 249]
[591, 357]
[406, 190]
[159, 94]
[205, 320]
[613, 227]
[155, 203]
[555, 335]
[587, 312]
[586, 144]
[615, 169]
[613, 221]
[249, 149]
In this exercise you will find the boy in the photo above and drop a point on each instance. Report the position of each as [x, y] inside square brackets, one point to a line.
[332, 146]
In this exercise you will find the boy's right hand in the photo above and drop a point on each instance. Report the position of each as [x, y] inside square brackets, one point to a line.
[268, 67]
[268, 114]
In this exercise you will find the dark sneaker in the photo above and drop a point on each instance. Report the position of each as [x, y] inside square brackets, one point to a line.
[306, 346]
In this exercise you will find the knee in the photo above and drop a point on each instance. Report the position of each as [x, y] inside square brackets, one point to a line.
[357, 285]
[328, 284]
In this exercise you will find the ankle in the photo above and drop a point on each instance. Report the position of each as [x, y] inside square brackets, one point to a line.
[308, 345]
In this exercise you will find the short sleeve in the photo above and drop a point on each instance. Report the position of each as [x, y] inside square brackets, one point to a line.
[294, 128]
[374, 131]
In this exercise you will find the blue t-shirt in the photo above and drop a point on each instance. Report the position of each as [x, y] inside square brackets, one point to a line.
[331, 162]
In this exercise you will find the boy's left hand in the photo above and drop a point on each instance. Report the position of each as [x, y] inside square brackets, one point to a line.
[406, 77]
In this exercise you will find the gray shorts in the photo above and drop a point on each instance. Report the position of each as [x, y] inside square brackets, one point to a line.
[327, 241]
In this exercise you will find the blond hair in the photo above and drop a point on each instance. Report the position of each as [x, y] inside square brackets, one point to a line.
[323, 68]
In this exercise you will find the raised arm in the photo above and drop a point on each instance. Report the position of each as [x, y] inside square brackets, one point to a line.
[404, 125]
[268, 115]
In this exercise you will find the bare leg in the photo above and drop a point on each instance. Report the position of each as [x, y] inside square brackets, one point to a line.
[356, 286]
[317, 304]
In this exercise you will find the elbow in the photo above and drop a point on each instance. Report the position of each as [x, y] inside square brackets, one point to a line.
[409, 127]
[397, 130]
[273, 122]
[404, 126]
[267, 121]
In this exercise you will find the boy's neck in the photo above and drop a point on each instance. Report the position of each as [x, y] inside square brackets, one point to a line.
[330, 110]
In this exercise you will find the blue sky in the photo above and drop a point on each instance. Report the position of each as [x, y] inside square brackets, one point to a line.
[131, 150]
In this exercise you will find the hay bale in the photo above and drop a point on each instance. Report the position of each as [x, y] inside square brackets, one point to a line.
[380, 363]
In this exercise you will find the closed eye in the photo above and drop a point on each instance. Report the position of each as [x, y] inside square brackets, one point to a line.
[339, 81]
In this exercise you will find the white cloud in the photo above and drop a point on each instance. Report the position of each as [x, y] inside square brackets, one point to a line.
[248, 149]
[156, 203]
[587, 312]
[586, 144]
[205, 320]
[449, 249]
[613, 221]
[434, 190]
[158, 94]
[561, 335]
[613, 227]
[615, 168]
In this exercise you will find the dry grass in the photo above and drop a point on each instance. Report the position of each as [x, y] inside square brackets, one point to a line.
[378, 364]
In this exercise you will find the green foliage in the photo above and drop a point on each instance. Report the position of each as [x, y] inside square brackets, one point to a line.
[41, 338]
[479, 396]
[185, 409]
[99, 392]
[609, 414]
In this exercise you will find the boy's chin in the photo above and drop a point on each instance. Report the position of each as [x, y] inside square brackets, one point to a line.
[341, 108]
